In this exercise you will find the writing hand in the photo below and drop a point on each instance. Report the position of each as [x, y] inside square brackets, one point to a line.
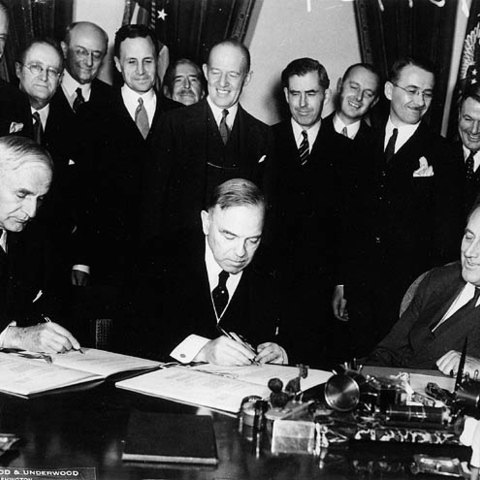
[270, 352]
[224, 351]
[44, 337]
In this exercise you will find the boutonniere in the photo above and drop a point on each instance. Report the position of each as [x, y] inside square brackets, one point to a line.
[425, 170]
[15, 127]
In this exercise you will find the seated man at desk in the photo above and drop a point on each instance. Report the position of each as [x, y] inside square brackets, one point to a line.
[217, 295]
[444, 311]
[25, 177]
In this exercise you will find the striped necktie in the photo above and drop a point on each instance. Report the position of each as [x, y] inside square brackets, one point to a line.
[304, 149]
[79, 100]
[223, 127]
[469, 166]
[390, 150]
[141, 118]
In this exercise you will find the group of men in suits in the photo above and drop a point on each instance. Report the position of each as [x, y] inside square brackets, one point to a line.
[173, 215]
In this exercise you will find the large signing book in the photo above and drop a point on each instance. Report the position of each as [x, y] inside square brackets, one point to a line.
[170, 438]
[23, 376]
[220, 388]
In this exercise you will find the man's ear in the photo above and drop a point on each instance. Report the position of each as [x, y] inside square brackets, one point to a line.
[117, 64]
[388, 89]
[375, 101]
[248, 77]
[285, 91]
[205, 70]
[64, 48]
[205, 221]
[339, 85]
[166, 91]
[18, 69]
[328, 96]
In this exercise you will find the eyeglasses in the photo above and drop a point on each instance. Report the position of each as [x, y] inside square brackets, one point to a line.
[84, 54]
[37, 69]
[414, 91]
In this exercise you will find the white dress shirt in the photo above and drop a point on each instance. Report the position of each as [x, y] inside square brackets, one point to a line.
[43, 112]
[130, 100]
[404, 133]
[70, 85]
[312, 133]
[188, 349]
[218, 113]
[352, 129]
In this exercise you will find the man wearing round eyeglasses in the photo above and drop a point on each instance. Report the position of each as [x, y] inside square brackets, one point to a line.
[406, 214]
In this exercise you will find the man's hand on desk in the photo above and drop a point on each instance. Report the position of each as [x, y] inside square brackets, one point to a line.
[451, 360]
[44, 337]
[224, 351]
[80, 278]
[269, 352]
[339, 304]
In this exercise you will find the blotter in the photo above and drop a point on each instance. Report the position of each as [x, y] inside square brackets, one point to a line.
[170, 438]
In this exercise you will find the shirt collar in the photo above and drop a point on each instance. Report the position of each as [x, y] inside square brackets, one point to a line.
[213, 268]
[43, 112]
[218, 112]
[70, 85]
[404, 133]
[352, 129]
[312, 132]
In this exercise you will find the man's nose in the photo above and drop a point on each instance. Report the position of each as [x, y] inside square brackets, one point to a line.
[186, 83]
[141, 68]
[89, 59]
[30, 207]
[359, 96]
[240, 249]
[303, 100]
[475, 127]
[224, 80]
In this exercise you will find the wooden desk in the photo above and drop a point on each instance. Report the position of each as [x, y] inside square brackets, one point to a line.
[85, 429]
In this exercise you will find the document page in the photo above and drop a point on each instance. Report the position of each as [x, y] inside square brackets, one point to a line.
[21, 376]
[261, 374]
[186, 385]
[101, 362]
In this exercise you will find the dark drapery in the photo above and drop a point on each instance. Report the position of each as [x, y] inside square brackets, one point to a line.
[190, 28]
[390, 29]
[30, 19]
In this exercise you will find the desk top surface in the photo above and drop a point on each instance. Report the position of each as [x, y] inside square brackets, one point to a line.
[86, 429]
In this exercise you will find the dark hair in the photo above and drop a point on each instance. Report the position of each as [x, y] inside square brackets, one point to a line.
[45, 41]
[236, 192]
[470, 91]
[400, 64]
[133, 31]
[72, 26]
[233, 42]
[367, 66]
[171, 71]
[302, 66]
[15, 148]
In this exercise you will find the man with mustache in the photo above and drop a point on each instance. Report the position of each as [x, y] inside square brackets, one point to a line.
[404, 217]
[184, 82]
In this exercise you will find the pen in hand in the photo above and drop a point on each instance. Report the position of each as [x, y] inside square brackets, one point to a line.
[237, 339]
[47, 320]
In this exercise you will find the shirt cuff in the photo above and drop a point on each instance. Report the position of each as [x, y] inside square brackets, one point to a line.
[187, 350]
[82, 268]
[4, 333]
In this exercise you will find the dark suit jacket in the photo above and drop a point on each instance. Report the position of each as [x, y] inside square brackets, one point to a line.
[307, 215]
[402, 225]
[411, 342]
[28, 268]
[175, 298]
[471, 189]
[185, 142]
[14, 108]
[111, 163]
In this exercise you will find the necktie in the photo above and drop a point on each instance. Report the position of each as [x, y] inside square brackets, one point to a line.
[345, 132]
[79, 100]
[304, 149]
[470, 305]
[37, 128]
[390, 150]
[223, 127]
[141, 118]
[220, 293]
[469, 166]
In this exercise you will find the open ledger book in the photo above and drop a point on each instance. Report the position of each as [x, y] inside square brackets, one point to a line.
[28, 376]
[220, 388]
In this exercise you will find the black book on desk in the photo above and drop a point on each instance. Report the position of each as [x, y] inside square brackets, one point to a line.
[170, 438]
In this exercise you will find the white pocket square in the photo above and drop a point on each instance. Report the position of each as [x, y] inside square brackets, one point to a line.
[15, 127]
[425, 170]
[71, 162]
[262, 159]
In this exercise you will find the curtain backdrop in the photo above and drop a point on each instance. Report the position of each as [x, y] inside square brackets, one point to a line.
[190, 28]
[30, 19]
[390, 29]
